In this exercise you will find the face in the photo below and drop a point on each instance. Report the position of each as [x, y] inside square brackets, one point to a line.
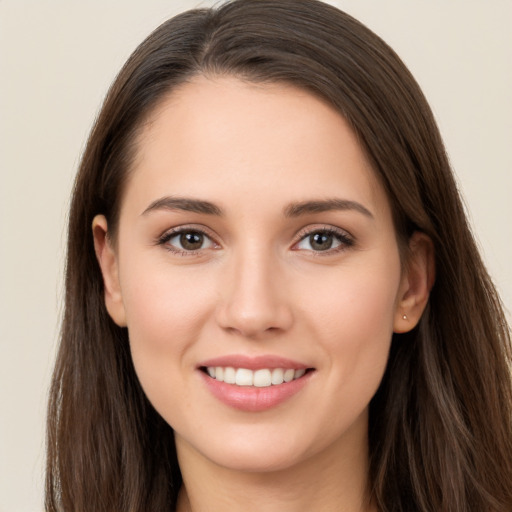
[256, 268]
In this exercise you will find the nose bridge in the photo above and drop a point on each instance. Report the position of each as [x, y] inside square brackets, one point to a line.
[254, 301]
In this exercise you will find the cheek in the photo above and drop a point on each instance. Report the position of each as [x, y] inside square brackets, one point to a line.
[166, 313]
[164, 302]
[353, 321]
[353, 325]
[357, 299]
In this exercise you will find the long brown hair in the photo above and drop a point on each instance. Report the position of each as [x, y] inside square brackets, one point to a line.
[440, 430]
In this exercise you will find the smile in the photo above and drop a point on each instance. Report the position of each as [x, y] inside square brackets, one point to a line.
[260, 378]
[254, 384]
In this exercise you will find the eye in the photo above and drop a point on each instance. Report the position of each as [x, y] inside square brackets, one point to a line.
[187, 241]
[323, 240]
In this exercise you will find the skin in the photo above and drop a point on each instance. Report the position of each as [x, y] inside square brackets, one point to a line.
[257, 286]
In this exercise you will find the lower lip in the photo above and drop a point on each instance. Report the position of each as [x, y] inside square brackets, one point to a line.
[253, 399]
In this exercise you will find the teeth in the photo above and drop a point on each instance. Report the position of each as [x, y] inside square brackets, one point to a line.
[262, 378]
[299, 373]
[277, 376]
[244, 377]
[288, 375]
[229, 375]
[259, 378]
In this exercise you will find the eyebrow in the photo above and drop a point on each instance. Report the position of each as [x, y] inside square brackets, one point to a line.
[292, 210]
[184, 204]
[319, 206]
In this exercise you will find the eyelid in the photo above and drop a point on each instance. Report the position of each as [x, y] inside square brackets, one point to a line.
[347, 239]
[163, 238]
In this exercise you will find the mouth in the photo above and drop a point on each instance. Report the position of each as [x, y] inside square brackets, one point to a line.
[258, 378]
[254, 383]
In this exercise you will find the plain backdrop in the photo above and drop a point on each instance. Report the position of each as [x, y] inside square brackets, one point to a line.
[57, 59]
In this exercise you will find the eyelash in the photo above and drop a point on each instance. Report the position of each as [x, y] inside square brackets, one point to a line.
[345, 240]
[168, 235]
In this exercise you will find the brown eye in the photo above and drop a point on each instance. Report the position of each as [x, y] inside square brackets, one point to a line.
[325, 240]
[321, 241]
[191, 240]
[188, 240]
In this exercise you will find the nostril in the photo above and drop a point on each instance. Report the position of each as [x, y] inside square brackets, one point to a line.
[253, 309]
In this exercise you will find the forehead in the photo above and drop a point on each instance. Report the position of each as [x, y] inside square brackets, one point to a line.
[217, 136]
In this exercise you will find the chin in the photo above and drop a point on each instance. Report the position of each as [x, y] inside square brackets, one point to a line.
[259, 449]
[255, 459]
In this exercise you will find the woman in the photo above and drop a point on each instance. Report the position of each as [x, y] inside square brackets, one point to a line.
[280, 303]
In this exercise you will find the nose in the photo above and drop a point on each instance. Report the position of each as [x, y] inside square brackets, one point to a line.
[254, 302]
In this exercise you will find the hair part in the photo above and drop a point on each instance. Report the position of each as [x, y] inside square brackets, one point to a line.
[440, 430]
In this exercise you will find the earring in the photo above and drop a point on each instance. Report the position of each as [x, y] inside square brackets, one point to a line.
[404, 317]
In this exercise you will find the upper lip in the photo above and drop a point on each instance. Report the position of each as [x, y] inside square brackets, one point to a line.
[253, 362]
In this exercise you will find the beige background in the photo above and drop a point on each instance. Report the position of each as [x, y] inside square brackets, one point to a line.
[57, 59]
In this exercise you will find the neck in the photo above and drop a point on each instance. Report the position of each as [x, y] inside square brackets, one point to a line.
[332, 479]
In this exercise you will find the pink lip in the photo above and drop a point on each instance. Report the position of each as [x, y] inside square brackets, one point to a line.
[253, 399]
[253, 363]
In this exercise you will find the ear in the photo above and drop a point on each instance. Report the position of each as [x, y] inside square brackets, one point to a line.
[417, 281]
[107, 259]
